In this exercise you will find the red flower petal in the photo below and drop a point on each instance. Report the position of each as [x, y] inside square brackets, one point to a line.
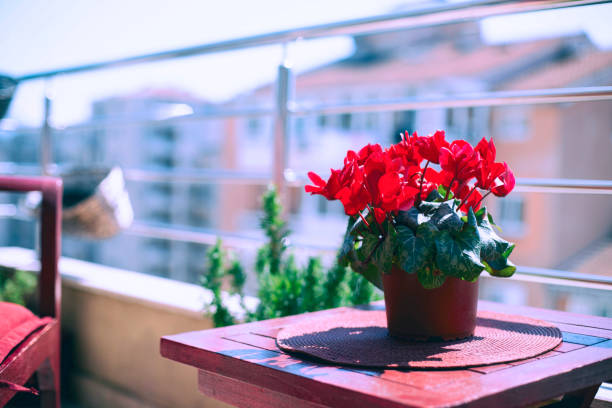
[314, 177]
[380, 215]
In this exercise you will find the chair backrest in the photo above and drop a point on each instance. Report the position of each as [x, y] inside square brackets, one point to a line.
[50, 236]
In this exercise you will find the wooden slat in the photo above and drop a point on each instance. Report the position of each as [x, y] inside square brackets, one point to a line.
[268, 332]
[426, 380]
[541, 356]
[555, 316]
[540, 380]
[566, 347]
[255, 340]
[588, 331]
[490, 368]
[285, 374]
[243, 394]
[415, 378]
[581, 339]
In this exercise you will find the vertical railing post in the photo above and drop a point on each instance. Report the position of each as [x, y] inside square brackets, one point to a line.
[46, 157]
[284, 93]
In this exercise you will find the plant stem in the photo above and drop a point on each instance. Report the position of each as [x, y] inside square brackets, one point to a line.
[379, 226]
[483, 197]
[449, 188]
[364, 220]
[466, 197]
[380, 241]
[421, 182]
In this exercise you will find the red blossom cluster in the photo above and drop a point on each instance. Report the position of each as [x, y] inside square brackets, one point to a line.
[391, 180]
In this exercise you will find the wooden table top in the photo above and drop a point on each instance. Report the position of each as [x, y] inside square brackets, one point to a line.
[242, 366]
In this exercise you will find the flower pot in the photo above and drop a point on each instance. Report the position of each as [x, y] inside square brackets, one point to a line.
[416, 313]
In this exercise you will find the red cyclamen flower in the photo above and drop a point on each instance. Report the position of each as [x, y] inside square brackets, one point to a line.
[473, 201]
[394, 194]
[429, 146]
[507, 182]
[460, 159]
[327, 189]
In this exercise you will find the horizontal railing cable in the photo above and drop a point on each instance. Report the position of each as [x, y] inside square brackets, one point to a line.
[204, 176]
[523, 184]
[229, 176]
[502, 98]
[566, 275]
[194, 117]
[563, 186]
[209, 237]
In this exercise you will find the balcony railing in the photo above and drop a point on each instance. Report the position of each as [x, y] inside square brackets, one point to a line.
[285, 108]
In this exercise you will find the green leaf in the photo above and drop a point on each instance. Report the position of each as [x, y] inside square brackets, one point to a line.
[445, 218]
[430, 208]
[348, 244]
[434, 195]
[385, 253]
[368, 271]
[409, 218]
[490, 218]
[375, 255]
[472, 221]
[442, 192]
[416, 251]
[459, 255]
[368, 247]
[430, 278]
[501, 272]
[481, 213]
[494, 251]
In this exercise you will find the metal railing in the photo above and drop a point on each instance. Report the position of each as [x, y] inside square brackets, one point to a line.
[425, 17]
[285, 108]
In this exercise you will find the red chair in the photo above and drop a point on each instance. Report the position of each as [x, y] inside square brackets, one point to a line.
[30, 344]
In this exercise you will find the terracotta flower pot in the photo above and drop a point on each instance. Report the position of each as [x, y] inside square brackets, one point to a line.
[416, 313]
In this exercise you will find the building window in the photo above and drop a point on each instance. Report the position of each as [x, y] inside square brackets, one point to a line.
[322, 204]
[511, 214]
[300, 133]
[345, 121]
[371, 121]
[403, 122]
[165, 133]
[512, 123]
[322, 121]
[253, 126]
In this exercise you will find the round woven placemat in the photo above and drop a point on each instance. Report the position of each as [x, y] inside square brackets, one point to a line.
[359, 338]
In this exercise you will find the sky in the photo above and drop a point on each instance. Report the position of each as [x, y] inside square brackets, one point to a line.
[37, 35]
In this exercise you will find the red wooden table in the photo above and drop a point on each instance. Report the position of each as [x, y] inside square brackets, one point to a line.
[242, 366]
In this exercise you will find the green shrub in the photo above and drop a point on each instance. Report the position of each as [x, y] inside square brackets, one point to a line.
[16, 286]
[285, 288]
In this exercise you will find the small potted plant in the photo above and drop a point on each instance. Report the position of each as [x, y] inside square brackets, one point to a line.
[421, 234]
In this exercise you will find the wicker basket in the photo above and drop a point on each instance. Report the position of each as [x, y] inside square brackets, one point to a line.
[96, 203]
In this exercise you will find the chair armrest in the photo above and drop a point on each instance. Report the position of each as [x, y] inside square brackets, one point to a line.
[50, 236]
